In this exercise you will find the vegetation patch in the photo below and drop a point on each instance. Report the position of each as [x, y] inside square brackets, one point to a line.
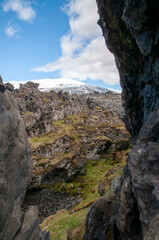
[86, 186]
[73, 140]
[61, 223]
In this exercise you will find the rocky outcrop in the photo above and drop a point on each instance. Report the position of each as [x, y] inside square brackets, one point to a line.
[40, 109]
[15, 174]
[131, 31]
[67, 130]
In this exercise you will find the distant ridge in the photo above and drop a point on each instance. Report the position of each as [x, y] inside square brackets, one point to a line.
[66, 85]
[83, 89]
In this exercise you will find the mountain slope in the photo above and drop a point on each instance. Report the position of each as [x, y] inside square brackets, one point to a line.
[66, 85]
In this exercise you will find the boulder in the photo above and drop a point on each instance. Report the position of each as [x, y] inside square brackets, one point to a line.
[101, 222]
[15, 172]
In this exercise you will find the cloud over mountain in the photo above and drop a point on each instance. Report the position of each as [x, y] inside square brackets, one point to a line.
[82, 47]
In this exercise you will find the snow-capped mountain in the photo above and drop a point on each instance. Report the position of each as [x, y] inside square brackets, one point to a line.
[83, 89]
[65, 85]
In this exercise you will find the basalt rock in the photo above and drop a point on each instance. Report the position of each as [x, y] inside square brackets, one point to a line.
[15, 174]
[65, 130]
[40, 109]
[131, 32]
[101, 222]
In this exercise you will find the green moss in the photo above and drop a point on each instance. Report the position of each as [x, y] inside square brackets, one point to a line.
[46, 138]
[75, 128]
[45, 100]
[119, 172]
[60, 223]
[95, 171]
[28, 115]
[91, 128]
[68, 128]
[86, 186]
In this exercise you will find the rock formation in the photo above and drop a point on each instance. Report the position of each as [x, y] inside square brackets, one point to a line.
[131, 32]
[39, 109]
[65, 130]
[72, 137]
[15, 174]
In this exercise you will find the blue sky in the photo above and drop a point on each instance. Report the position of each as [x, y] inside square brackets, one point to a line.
[43, 39]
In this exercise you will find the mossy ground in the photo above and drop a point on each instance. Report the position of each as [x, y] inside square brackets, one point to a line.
[102, 171]
[63, 222]
[75, 129]
[105, 169]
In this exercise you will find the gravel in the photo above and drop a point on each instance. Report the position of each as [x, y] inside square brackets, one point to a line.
[49, 202]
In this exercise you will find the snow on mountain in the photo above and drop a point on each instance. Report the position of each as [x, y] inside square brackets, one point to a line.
[50, 83]
[64, 84]
[83, 89]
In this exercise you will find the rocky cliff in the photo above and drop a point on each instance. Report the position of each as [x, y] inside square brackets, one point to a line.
[131, 32]
[15, 174]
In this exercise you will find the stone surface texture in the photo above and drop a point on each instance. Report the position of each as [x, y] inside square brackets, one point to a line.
[40, 109]
[15, 174]
[131, 32]
[65, 130]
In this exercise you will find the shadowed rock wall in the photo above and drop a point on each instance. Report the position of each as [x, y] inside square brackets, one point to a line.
[15, 175]
[131, 32]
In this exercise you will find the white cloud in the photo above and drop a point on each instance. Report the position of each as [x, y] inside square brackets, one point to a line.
[92, 62]
[12, 30]
[69, 44]
[23, 9]
[83, 18]
[84, 54]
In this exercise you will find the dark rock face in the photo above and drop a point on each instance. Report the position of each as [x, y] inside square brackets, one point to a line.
[2, 88]
[15, 174]
[132, 36]
[101, 219]
[10, 87]
[131, 31]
